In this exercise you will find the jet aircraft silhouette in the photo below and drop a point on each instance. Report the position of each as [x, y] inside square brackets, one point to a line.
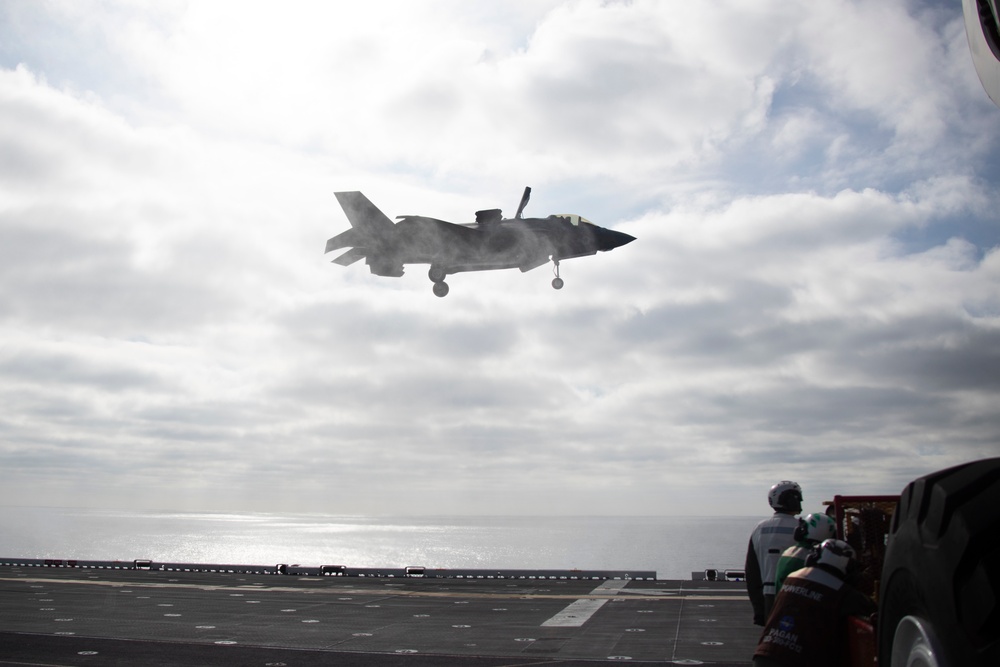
[491, 242]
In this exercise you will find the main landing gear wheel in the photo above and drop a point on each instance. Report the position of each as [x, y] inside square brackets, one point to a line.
[437, 274]
[557, 282]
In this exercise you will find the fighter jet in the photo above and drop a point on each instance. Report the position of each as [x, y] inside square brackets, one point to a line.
[491, 242]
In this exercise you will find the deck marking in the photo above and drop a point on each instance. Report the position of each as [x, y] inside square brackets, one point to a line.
[580, 611]
[611, 586]
[575, 615]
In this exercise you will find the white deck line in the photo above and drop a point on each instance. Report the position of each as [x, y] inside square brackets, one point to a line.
[580, 611]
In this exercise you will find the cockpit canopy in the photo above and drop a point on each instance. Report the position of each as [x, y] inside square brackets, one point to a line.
[572, 218]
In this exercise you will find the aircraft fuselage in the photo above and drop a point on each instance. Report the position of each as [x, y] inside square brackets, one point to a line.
[492, 243]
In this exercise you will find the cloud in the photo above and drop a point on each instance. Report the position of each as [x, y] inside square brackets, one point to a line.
[812, 293]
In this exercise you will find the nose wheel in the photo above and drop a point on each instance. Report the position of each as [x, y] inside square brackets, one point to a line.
[557, 282]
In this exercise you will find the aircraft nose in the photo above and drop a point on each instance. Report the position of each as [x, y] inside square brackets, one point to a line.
[609, 239]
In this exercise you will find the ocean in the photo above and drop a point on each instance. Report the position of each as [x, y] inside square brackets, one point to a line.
[672, 546]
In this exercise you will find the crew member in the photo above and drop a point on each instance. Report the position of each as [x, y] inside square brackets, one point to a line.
[767, 542]
[806, 626]
[812, 530]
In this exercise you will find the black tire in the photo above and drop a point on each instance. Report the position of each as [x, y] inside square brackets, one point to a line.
[942, 569]
[440, 289]
[437, 274]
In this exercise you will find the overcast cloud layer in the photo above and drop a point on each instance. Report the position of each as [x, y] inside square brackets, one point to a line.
[814, 293]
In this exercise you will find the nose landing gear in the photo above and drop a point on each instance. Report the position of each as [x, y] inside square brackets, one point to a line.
[557, 282]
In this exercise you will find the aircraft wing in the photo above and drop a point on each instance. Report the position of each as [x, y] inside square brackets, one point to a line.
[439, 229]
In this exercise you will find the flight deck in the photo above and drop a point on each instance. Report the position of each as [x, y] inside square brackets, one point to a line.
[145, 614]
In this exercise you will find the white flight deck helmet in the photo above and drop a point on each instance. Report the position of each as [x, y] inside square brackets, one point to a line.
[785, 496]
[837, 554]
[815, 527]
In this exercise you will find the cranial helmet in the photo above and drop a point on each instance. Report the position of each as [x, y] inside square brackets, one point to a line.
[837, 554]
[815, 527]
[785, 496]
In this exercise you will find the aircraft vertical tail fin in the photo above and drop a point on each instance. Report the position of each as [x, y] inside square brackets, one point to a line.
[365, 217]
[370, 236]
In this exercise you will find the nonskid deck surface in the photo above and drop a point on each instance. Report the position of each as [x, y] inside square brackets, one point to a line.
[73, 616]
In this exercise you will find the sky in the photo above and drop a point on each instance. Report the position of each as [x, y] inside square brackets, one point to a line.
[813, 295]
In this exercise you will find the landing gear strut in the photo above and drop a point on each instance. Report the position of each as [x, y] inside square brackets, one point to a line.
[557, 282]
